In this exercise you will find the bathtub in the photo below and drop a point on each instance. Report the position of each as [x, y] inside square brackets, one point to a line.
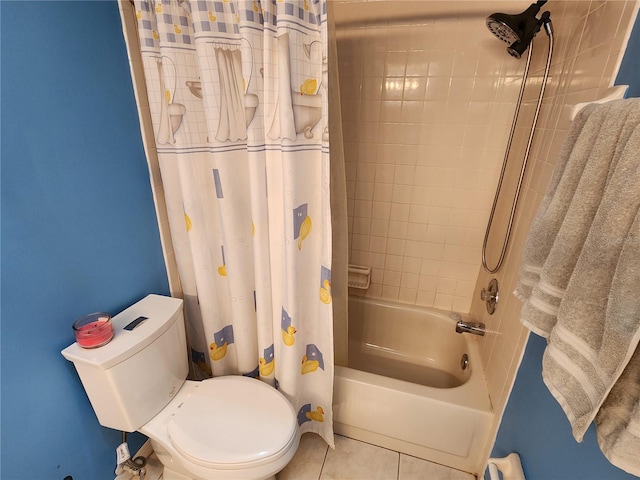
[413, 385]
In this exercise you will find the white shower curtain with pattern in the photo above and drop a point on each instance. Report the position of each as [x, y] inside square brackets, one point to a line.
[238, 98]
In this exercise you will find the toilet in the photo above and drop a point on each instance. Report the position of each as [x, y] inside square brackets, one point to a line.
[230, 428]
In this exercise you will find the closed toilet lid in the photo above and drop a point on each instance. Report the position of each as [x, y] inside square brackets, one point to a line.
[233, 420]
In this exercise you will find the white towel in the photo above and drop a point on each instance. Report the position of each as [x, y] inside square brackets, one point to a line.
[552, 209]
[587, 297]
[563, 227]
[618, 421]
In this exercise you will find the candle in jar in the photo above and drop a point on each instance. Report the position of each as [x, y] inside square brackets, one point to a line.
[94, 334]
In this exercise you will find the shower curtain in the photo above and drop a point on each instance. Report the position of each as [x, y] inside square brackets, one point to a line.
[249, 211]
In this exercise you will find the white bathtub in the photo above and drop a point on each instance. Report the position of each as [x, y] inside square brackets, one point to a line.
[405, 388]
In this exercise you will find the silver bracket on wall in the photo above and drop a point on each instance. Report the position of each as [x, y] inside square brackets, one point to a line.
[490, 295]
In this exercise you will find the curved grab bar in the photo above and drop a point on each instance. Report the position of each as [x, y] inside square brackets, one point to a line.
[514, 205]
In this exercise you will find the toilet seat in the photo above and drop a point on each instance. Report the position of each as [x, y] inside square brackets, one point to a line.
[233, 422]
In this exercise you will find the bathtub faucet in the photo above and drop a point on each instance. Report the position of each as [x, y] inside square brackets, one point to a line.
[477, 328]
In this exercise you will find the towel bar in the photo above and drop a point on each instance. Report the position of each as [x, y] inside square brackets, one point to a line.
[616, 92]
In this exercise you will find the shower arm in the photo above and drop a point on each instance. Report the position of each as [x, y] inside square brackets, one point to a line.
[549, 30]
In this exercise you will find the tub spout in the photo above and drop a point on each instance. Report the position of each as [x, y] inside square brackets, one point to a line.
[477, 328]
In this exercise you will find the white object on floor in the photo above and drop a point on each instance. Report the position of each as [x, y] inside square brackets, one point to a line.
[510, 467]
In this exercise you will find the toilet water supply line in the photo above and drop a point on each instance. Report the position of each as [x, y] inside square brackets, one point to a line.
[549, 30]
[126, 463]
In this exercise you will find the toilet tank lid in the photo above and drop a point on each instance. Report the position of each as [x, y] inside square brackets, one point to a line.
[134, 329]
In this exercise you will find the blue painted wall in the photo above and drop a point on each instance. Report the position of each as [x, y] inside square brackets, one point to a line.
[78, 226]
[534, 424]
[629, 73]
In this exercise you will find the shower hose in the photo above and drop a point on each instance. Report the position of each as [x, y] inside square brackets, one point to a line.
[548, 28]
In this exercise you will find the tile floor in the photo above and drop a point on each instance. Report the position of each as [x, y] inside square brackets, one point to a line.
[354, 460]
[351, 460]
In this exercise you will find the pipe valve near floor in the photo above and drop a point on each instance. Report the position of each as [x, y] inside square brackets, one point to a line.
[126, 464]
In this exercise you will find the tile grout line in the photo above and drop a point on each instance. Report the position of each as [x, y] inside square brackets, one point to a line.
[326, 453]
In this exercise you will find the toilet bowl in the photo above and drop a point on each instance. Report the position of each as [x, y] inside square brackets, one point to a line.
[225, 427]
[228, 428]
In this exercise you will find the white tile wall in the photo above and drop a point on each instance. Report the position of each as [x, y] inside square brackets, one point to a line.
[424, 141]
[458, 162]
[590, 40]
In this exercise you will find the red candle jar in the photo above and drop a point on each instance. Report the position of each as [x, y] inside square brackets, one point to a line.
[93, 330]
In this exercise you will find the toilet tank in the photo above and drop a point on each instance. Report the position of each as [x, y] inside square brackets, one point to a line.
[134, 376]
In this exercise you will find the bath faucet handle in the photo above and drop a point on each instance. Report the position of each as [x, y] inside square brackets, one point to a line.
[488, 296]
[491, 296]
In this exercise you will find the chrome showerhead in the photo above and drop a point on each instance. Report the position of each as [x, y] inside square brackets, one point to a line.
[517, 30]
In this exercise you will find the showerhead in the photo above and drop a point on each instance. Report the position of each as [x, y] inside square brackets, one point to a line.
[503, 27]
[517, 30]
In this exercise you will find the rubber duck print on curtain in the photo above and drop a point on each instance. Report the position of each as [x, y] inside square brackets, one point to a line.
[239, 109]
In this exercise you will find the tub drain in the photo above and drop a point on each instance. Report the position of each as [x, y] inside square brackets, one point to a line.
[464, 361]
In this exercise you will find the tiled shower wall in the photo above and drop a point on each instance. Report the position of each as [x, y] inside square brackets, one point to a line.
[426, 109]
[590, 38]
[590, 41]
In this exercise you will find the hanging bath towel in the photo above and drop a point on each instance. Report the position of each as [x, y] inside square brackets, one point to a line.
[565, 224]
[586, 300]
